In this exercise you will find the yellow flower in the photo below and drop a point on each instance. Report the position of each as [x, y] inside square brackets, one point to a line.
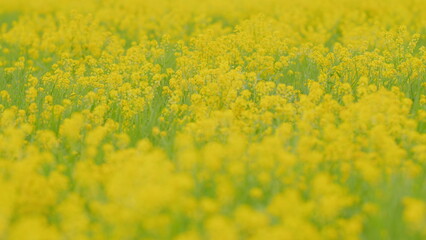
[415, 213]
[71, 127]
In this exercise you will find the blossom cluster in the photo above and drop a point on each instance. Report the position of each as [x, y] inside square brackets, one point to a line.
[215, 119]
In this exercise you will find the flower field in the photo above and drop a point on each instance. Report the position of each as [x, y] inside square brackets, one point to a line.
[214, 119]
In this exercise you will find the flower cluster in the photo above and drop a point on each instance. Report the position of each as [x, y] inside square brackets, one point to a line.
[184, 119]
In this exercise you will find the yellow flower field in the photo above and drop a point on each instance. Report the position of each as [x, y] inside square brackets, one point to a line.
[213, 119]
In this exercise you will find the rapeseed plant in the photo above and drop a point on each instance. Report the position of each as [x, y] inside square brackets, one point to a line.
[181, 119]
